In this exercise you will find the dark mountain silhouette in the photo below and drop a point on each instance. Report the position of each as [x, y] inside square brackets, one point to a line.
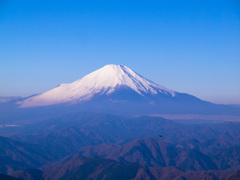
[6, 177]
[29, 174]
[15, 155]
[100, 168]
[122, 140]
[151, 152]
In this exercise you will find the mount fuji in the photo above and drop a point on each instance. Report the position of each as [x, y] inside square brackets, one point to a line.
[105, 81]
[117, 88]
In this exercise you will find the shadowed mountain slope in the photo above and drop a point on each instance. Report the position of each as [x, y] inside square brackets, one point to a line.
[123, 139]
[100, 168]
[15, 155]
[151, 152]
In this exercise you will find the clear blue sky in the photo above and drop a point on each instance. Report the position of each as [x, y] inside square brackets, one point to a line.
[188, 46]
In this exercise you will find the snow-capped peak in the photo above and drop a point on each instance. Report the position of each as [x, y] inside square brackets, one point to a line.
[105, 80]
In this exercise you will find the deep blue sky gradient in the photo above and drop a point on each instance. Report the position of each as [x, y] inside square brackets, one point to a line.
[188, 46]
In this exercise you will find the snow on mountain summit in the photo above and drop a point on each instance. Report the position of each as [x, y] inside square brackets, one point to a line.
[105, 80]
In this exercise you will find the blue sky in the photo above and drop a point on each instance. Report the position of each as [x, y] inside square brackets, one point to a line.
[188, 46]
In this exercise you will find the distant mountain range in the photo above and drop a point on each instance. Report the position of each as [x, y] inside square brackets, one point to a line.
[126, 140]
[101, 168]
[89, 145]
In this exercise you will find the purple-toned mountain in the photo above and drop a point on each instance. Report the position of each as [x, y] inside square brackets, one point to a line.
[151, 152]
[118, 89]
[101, 168]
